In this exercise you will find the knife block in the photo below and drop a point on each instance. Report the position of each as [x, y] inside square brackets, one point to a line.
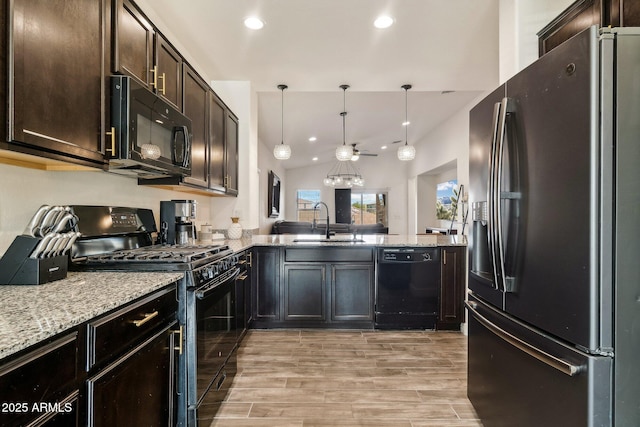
[18, 268]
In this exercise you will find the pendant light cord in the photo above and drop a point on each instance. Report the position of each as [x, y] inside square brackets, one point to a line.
[282, 88]
[406, 113]
[344, 113]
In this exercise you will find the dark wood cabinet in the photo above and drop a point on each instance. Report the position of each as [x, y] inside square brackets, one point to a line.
[585, 13]
[217, 118]
[452, 287]
[57, 54]
[31, 394]
[133, 37]
[136, 389]
[231, 154]
[328, 286]
[142, 52]
[266, 285]
[196, 94]
[131, 363]
[168, 72]
[305, 289]
[352, 293]
[223, 147]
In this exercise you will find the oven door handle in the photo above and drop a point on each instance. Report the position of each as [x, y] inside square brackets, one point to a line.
[226, 277]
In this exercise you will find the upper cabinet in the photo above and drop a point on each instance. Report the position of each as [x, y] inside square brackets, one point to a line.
[196, 99]
[223, 146]
[585, 13]
[57, 89]
[141, 52]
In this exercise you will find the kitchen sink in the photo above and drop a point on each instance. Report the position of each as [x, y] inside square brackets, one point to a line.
[325, 240]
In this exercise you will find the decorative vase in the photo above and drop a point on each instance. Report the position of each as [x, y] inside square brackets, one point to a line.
[235, 229]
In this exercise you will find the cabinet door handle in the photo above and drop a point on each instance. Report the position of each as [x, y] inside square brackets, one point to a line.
[180, 332]
[145, 319]
[162, 89]
[113, 141]
[154, 71]
[250, 258]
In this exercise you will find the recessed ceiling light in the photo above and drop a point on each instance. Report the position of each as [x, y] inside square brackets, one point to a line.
[384, 147]
[315, 159]
[253, 23]
[383, 21]
[313, 139]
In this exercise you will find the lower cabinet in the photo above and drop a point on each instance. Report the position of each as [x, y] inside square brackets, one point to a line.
[136, 389]
[265, 298]
[328, 287]
[452, 287]
[131, 364]
[31, 395]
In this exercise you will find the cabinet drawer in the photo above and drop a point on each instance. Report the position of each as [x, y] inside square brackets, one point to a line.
[113, 334]
[332, 254]
[28, 380]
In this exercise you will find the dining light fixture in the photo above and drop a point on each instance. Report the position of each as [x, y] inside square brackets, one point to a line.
[282, 151]
[344, 152]
[406, 152]
[344, 174]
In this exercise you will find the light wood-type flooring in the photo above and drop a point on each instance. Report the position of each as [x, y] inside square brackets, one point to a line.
[330, 378]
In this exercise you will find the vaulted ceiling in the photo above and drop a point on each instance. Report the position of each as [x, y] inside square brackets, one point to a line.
[448, 51]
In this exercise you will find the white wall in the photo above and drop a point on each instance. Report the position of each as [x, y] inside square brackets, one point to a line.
[266, 163]
[383, 173]
[23, 190]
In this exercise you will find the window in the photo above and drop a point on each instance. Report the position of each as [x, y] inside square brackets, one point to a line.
[368, 208]
[305, 200]
[447, 199]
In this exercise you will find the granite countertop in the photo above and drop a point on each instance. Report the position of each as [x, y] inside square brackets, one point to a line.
[30, 314]
[376, 240]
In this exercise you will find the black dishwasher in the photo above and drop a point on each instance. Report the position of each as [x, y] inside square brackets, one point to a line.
[407, 288]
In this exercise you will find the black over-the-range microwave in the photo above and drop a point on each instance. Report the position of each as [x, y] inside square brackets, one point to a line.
[150, 138]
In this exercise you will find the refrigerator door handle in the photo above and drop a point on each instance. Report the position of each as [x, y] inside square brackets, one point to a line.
[491, 224]
[501, 110]
[544, 357]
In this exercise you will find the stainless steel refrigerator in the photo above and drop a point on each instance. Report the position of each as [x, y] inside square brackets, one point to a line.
[554, 267]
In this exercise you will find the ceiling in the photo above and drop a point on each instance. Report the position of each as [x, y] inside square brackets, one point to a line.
[314, 46]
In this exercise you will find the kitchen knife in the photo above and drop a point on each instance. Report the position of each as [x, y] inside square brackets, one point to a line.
[35, 220]
[62, 222]
[53, 242]
[41, 246]
[69, 244]
[48, 221]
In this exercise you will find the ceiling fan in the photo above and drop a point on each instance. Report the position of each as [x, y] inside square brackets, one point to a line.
[357, 153]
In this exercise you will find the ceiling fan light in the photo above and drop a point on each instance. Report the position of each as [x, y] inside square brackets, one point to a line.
[282, 152]
[406, 153]
[355, 157]
[344, 153]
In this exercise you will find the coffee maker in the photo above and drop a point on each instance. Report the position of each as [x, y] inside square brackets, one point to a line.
[177, 225]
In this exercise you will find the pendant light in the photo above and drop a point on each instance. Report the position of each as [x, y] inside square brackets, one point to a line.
[406, 152]
[344, 152]
[282, 151]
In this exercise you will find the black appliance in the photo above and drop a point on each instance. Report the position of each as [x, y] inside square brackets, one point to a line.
[121, 239]
[553, 279]
[177, 225]
[407, 288]
[150, 138]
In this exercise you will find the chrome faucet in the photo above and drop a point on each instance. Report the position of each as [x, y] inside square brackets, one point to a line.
[315, 207]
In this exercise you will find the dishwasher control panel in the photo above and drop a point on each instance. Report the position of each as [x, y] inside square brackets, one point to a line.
[408, 255]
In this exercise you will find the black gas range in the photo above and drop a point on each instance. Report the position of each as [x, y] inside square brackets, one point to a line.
[122, 239]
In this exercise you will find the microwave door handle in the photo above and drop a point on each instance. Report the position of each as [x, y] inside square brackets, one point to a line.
[187, 147]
